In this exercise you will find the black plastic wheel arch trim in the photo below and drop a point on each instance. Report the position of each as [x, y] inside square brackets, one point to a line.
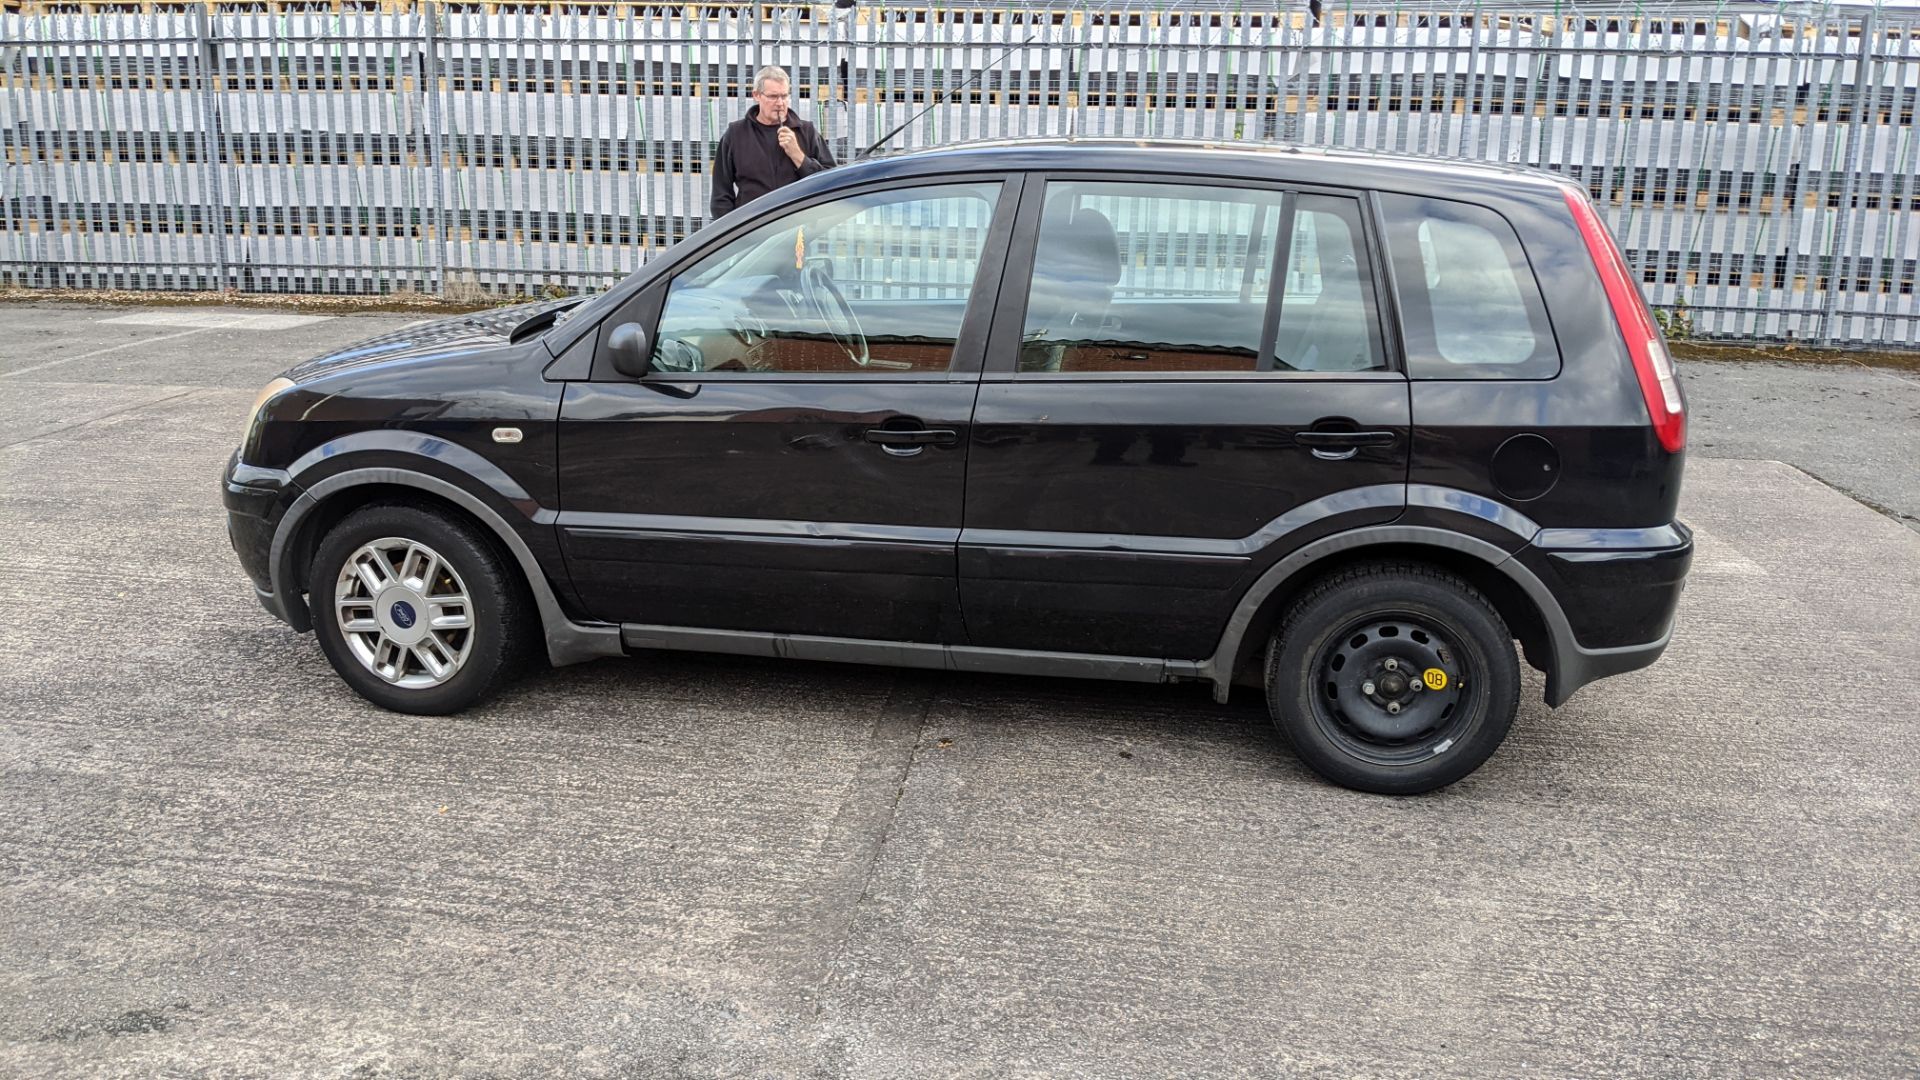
[415, 444]
[568, 642]
[1573, 666]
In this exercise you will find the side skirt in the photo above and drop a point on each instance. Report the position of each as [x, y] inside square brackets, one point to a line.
[911, 654]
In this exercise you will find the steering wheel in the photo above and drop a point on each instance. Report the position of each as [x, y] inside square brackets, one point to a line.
[835, 313]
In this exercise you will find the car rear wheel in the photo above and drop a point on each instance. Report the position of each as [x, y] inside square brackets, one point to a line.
[1396, 679]
[416, 610]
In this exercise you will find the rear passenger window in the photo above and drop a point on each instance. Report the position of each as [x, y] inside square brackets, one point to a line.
[1326, 310]
[1468, 299]
[1162, 278]
[1141, 278]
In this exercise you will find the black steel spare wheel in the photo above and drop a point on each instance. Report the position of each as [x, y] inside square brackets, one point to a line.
[1393, 678]
[1391, 687]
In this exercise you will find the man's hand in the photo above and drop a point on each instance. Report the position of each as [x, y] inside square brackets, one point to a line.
[791, 144]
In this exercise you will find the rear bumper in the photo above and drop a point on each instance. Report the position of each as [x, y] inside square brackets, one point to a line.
[1617, 592]
[1575, 667]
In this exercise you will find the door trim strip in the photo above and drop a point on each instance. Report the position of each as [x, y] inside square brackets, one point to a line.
[672, 525]
[1349, 501]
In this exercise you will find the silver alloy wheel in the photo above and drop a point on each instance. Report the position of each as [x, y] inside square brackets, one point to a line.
[404, 612]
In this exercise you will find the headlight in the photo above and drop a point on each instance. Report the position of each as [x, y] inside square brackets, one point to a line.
[253, 414]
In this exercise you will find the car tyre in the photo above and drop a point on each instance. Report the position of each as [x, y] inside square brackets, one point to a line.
[417, 610]
[1396, 679]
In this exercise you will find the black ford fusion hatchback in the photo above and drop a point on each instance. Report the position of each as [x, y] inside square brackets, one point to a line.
[1343, 426]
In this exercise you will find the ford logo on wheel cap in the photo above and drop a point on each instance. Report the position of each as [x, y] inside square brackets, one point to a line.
[402, 614]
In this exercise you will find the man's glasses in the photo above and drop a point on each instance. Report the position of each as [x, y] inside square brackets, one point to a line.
[775, 97]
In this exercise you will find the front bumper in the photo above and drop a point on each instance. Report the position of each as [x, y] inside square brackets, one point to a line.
[256, 500]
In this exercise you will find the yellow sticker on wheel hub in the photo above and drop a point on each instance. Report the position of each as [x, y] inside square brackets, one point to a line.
[1434, 678]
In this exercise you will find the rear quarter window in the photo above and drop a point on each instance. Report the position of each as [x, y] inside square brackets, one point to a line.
[1469, 305]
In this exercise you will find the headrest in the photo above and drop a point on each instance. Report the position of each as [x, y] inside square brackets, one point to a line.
[1085, 248]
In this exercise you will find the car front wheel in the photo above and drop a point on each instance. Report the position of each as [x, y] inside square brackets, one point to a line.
[416, 610]
[1396, 679]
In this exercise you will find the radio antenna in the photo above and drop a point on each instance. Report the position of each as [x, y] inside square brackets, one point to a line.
[942, 100]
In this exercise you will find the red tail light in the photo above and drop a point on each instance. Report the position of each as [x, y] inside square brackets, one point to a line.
[1644, 341]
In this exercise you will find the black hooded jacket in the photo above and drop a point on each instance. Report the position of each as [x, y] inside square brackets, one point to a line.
[750, 162]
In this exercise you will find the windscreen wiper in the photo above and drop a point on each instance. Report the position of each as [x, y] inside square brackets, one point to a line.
[541, 320]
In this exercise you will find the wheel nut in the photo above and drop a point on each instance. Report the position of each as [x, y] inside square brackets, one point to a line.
[1418, 685]
[1392, 665]
[1366, 688]
[1393, 707]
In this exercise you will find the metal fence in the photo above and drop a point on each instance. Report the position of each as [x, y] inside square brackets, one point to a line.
[1758, 163]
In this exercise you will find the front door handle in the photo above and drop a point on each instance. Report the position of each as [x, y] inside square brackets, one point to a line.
[906, 442]
[913, 436]
[1341, 445]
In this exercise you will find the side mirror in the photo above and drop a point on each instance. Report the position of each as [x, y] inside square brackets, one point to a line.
[628, 346]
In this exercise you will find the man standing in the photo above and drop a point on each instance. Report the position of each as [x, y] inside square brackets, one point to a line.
[769, 148]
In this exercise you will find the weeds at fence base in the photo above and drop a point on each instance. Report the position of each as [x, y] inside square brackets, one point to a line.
[1675, 322]
[1743, 353]
[405, 300]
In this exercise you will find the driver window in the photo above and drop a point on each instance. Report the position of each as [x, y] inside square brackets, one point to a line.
[875, 283]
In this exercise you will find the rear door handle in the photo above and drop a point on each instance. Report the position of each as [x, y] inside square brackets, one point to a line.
[1341, 445]
[1345, 438]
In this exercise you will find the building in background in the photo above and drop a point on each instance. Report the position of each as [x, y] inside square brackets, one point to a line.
[1758, 162]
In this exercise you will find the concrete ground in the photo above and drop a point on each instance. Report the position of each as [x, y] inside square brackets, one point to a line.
[215, 861]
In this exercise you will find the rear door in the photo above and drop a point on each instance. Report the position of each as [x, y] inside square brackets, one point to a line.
[1184, 382]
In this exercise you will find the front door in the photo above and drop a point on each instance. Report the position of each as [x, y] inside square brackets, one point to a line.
[1163, 415]
[796, 460]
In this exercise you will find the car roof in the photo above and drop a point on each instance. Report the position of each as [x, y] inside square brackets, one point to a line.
[1206, 158]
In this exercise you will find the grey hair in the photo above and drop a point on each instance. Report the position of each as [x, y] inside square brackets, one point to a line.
[768, 74]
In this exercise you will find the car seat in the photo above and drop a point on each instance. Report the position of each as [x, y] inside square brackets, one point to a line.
[1077, 267]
